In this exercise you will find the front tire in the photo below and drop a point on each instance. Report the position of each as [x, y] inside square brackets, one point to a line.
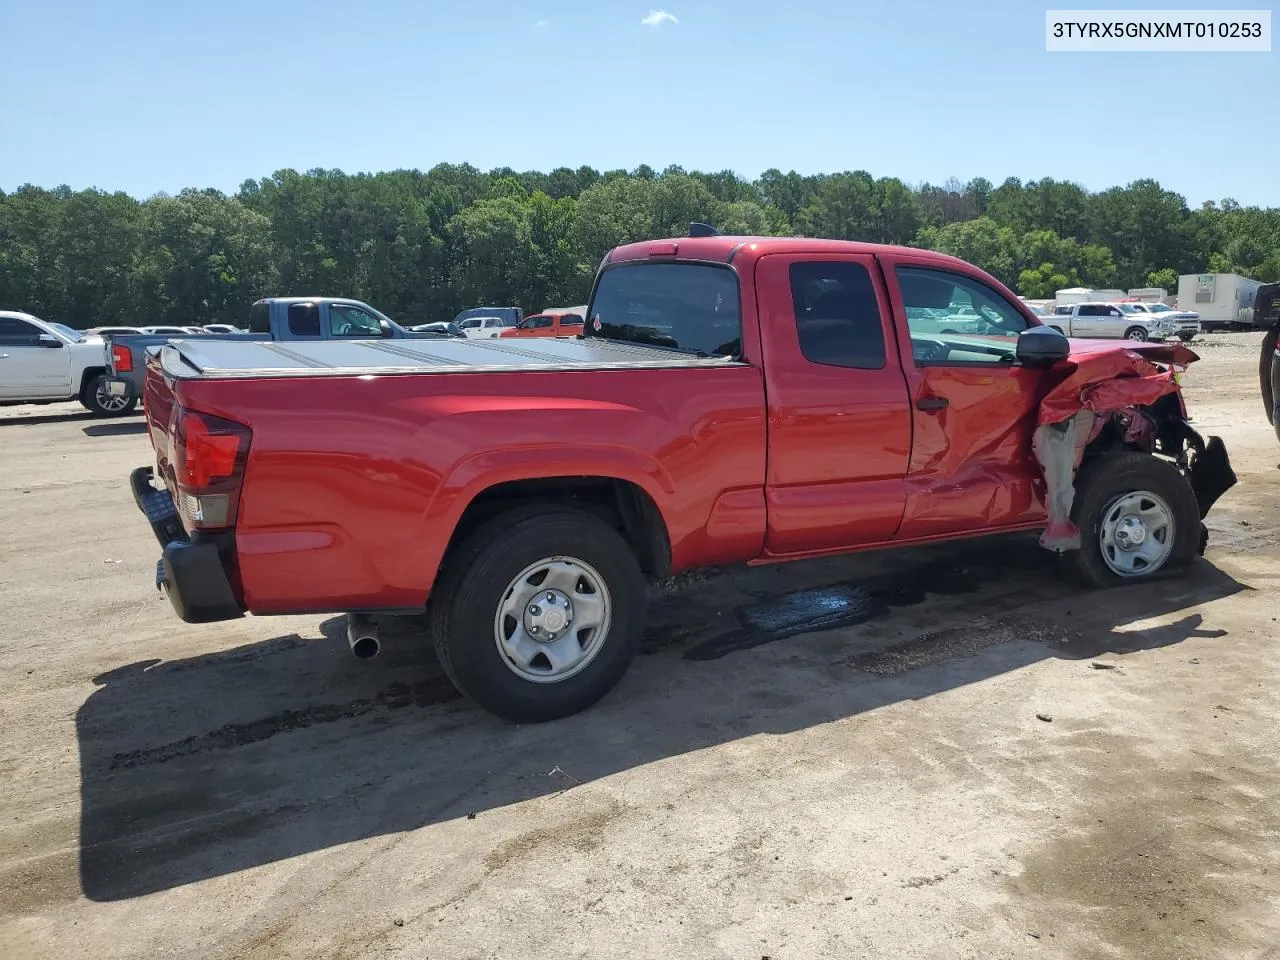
[538, 614]
[1138, 518]
[1136, 334]
[100, 403]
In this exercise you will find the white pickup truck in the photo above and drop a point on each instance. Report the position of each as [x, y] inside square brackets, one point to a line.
[1110, 321]
[43, 362]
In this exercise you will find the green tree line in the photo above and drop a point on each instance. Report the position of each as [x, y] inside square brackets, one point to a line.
[422, 246]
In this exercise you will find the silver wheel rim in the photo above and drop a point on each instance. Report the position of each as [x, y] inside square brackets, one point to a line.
[1136, 534]
[553, 620]
[107, 402]
[1137, 335]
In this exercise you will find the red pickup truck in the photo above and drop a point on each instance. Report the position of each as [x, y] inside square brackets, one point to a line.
[546, 325]
[731, 400]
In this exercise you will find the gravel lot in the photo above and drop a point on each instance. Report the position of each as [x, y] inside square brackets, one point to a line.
[931, 753]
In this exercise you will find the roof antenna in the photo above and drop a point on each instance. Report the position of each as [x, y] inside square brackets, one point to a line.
[699, 229]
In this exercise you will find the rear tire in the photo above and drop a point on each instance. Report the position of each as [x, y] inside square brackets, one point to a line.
[1136, 334]
[1121, 497]
[491, 650]
[1267, 362]
[97, 401]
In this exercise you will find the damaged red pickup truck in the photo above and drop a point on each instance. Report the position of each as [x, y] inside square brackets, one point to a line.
[731, 399]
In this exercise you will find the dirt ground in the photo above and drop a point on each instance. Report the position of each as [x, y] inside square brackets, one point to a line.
[936, 753]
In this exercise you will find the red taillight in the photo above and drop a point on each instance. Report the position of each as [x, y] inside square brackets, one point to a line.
[208, 459]
[121, 358]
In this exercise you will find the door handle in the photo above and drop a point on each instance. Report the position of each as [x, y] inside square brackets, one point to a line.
[931, 404]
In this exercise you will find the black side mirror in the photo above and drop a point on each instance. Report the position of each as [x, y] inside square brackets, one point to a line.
[48, 340]
[1041, 347]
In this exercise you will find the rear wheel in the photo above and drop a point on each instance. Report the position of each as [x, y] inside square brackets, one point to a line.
[538, 614]
[1267, 379]
[101, 403]
[1138, 517]
[1136, 333]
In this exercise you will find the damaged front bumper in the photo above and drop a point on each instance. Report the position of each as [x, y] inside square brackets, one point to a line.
[1209, 473]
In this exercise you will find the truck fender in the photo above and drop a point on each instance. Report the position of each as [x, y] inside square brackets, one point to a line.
[473, 476]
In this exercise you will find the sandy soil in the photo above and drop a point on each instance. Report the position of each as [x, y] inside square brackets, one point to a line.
[931, 753]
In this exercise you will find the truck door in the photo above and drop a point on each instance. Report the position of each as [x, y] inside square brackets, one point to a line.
[839, 420]
[1112, 322]
[973, 411]
[29, 370]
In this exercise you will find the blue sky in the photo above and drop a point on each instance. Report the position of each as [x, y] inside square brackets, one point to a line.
[152, 95]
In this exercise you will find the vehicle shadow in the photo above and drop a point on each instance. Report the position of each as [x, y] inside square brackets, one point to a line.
[41, 418]
[198, 768]
[116, 428]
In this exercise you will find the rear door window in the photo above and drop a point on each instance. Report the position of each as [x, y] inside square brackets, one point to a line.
[692, 307]
[837, 318]
[304, 320]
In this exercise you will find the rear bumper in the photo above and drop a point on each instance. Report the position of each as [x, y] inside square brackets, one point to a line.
[192, 570]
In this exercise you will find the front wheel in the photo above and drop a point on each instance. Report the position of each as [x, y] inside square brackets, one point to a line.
[101, 403]
[1137, 334]
[1186, 337]
[538, 614]
[1137, 517]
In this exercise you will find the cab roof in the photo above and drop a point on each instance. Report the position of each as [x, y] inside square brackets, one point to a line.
[722, 249]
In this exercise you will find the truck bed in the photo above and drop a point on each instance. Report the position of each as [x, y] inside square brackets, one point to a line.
[227, 359]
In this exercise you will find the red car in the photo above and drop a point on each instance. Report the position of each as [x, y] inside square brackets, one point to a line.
[546, 325]
[733, 400]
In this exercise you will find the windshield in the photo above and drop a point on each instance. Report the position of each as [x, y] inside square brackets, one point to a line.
[67, 332]
[691, 307]
[1160, 308]
[1130, 308]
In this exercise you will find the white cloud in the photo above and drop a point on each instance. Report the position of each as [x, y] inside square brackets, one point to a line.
[542, 25]
[657, 18]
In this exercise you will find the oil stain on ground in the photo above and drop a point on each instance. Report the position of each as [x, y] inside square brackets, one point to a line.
[830, 608]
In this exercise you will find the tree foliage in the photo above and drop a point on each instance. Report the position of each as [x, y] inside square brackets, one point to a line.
[422, 245]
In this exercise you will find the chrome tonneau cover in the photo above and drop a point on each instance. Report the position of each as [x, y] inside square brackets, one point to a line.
[187, 359]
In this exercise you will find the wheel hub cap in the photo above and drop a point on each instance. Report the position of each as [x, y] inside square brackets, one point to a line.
[1131, 533]
[1136, 534]
[548, 616]
[553, 619]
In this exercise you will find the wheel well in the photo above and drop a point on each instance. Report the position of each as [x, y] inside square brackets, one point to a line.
[620, 503]
[89, 375]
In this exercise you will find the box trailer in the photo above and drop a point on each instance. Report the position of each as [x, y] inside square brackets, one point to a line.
[1072, 295]
[1107, 296]
[1223, 300]
[1149, 294]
